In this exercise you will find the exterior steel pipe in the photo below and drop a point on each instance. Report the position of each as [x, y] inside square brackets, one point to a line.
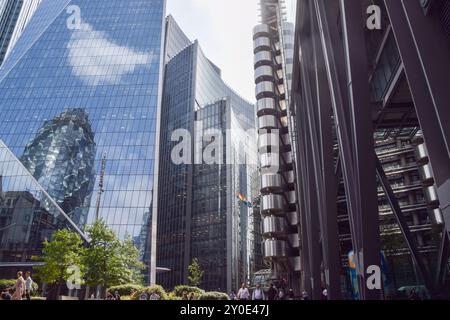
[290, 176]
[431, 196]
[292, 218]
[267, 140]
[276, 249]
[296, 263]
[264, 73]
[272, 204]
[262, 43]
[263, 58]
[271, 183]
[265, 89]
[267, 122]
[294, 240]
[292, 196]
[426, 174]
[269, 160]
[261, 29]
[274, 226]
[436, 216]
[422, 153]
[266, 106]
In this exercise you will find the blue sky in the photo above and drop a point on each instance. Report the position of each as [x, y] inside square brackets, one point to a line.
[224, 30]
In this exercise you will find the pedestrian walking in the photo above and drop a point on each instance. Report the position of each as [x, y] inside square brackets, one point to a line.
[143, 297]
[258, 293]
[232, 296]
[325, 294]
[281, 294]
[109, 296]
[155, 296]
[305, 296]
[243, 293]
[6, 295]
[291, 294]
[272, 292]
[28, 285]
[19, 287]
[191, 296]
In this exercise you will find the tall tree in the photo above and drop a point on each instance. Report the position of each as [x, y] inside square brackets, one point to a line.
[60, 255]
[195, 273]
[110, 262]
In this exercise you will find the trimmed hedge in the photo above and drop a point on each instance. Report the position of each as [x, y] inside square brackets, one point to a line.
[179, 290]
[149, 291]
[126, 289]
[6, 283]
[214, 296]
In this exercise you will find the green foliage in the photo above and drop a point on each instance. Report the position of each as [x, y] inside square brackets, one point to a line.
[126, 289]
[63, 251]
[107, 261]
[213, 296]
[195, 273]
[179, 290]
[34, 292]
[172, 296]
[6, 284]
[110, 262]
[149, 291]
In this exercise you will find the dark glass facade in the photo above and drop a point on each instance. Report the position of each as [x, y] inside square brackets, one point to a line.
[199, 214]
[14, 17]
[72, 93]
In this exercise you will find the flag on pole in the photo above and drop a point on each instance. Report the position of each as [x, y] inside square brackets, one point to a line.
[243, 199]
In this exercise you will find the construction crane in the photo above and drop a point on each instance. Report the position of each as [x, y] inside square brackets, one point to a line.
[100, 187]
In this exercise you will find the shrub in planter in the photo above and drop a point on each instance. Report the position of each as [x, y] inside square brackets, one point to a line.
[125, 289]
[179, 290]
[35, 292]
[6, 283]
[213, 296]
[172, 296]
[149, 291]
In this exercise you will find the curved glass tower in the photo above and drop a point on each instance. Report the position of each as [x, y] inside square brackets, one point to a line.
[79, 60]
[61, 158]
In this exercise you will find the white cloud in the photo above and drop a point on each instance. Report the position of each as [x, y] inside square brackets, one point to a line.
[95, 59]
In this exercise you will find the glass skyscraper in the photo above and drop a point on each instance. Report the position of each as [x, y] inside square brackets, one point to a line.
[199, 214]
[82, 83]
[14, 17]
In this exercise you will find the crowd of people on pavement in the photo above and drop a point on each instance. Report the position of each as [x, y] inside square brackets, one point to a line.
[21, 290]
[259, 294]
[115, 296]
[153, 297]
